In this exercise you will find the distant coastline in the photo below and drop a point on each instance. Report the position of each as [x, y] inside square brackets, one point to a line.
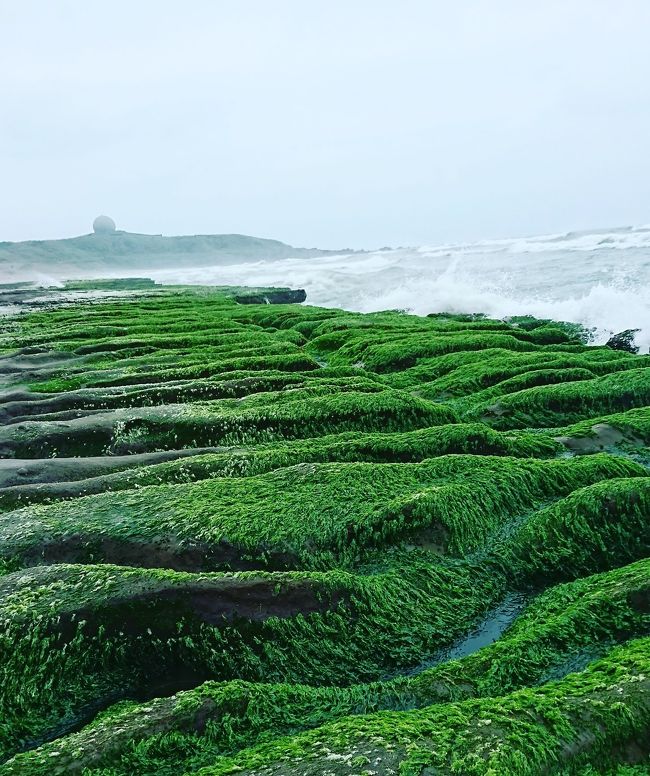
[118, 251]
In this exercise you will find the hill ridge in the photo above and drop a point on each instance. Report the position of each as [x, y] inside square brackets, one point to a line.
[122, 250]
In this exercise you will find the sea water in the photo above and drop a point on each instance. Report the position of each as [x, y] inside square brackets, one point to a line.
[598, 278]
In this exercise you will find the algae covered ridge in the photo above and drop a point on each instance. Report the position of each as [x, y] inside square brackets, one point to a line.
[243, 535]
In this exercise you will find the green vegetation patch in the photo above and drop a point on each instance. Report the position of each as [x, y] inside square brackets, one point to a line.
[244, 535]
[568, 625]
[311, 515]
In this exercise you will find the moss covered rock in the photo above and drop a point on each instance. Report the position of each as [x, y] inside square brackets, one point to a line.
[244, 535]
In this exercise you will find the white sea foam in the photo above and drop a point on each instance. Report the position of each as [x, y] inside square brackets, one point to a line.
[600, 279]
[620, 238]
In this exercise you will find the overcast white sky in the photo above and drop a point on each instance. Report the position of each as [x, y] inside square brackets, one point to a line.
[324, 122]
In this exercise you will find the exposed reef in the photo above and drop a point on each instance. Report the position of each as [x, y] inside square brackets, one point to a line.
[243, 535]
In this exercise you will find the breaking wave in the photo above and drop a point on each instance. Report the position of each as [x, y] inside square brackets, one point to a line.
[600, 279]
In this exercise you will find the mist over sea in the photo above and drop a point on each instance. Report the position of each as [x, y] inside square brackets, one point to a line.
[599, 278]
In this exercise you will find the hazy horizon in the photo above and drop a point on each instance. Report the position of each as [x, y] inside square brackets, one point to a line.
[569, 233]
[324, 125]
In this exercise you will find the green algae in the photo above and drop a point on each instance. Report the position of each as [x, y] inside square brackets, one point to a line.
[472, 371]
[567, 403]
[409, 609]
[304, 516]
[409, 446]
[403, 469]
[207, 424]
[593, 528]
[199, 724]
[73, 634]
[532, 730]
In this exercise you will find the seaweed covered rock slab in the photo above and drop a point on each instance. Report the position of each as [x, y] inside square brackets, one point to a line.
[240, 534]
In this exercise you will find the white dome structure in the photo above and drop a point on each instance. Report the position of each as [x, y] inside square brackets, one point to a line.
[103, 225]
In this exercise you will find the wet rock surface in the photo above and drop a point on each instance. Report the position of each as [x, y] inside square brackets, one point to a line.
[624, 340]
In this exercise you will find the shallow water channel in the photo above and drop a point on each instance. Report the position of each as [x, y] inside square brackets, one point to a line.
[491, 628]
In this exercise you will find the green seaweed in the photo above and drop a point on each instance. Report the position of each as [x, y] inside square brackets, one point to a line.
[274, 525]
[165, 735]
[305, 516]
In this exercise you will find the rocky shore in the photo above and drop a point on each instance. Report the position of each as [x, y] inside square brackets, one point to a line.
[244, 535]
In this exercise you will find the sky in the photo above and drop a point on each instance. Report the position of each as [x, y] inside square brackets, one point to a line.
[329, 123]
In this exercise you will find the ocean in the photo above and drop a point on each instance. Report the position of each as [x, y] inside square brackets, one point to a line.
[598, 278]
